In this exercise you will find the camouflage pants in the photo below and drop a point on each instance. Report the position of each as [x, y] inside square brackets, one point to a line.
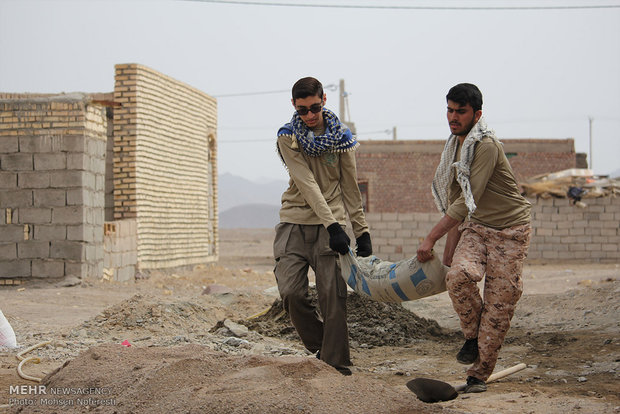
[499, 254]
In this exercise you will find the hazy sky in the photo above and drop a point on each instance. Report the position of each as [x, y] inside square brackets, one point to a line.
[543, 73]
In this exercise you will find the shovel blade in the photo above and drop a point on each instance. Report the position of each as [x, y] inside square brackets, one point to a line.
[432, 390]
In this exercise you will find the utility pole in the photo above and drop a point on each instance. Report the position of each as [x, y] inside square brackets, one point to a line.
[394, 133]
[342, 103]
[591, 163]
[344, 113]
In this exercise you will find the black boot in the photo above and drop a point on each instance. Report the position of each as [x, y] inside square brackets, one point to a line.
[469, 352]
[475, 385]
[343, 370]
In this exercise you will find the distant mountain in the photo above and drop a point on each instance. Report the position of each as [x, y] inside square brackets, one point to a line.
[236, 191]
[246, 204]
[250, 216]
[615, 174]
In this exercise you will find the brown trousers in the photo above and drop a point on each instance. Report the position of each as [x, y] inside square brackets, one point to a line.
[499, 254]
[296, 248]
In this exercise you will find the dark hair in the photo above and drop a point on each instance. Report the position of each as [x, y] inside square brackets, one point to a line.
[466, 93]
[305, 87]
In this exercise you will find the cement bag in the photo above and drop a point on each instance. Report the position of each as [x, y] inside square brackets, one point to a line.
[7, 336]
[385, 281]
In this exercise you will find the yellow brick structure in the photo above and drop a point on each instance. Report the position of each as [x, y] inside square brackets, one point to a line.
[165, 167]
[102, 185]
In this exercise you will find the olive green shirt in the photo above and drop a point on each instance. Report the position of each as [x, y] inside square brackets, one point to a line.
[499, 203]
[321, 189]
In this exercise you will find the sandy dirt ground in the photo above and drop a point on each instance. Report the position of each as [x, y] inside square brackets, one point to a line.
[213, 339]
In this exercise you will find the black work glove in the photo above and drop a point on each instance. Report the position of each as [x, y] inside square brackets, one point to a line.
[338, 239]
[364, 245]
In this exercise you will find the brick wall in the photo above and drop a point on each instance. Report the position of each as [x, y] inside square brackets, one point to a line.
[561, 231]
[120, 241]
[107, 99]
[165, 167]
[399, 173]
[52, 151]
[531, 157]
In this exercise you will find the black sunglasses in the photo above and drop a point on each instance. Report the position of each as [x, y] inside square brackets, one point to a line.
[315, 109]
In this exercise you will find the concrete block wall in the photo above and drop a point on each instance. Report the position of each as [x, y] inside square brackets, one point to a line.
[120, 242]
[399, 173]
[52, 164]
[561, 231]
[396, 236]
[165, 167]
[564, 232]
[107, 100]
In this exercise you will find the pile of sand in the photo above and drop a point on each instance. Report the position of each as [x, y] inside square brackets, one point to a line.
[146, 313]
[194, 379]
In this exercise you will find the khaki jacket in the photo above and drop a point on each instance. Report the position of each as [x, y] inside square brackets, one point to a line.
[321, 189]
[499, 203]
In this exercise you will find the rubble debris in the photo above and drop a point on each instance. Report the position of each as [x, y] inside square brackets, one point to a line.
[371, 323]
[574, 183]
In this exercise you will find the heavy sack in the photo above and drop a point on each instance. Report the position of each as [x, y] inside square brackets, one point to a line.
[7, 336]
[385, 281]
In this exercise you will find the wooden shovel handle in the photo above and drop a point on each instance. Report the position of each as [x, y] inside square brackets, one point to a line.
[498, 375]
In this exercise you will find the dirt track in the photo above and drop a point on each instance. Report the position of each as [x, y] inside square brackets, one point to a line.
[566, 329]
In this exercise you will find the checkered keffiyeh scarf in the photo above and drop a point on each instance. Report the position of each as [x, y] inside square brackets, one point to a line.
[336, 138]
[445, 174]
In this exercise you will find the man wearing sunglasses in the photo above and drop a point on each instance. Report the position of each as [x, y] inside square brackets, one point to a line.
[318, 152]
[488, 226]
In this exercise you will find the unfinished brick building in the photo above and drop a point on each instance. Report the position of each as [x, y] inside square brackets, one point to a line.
[395, 179]
[395, 176]
[103, 185]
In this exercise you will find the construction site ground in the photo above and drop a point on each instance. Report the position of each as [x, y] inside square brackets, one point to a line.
[208, 339]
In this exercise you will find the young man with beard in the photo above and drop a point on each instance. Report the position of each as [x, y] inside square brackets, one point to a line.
[488, 226]
[318, 152]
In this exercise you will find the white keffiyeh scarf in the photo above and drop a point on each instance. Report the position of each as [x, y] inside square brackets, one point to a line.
[445, 174]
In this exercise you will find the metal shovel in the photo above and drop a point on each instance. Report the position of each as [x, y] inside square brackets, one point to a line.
[432, 390]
